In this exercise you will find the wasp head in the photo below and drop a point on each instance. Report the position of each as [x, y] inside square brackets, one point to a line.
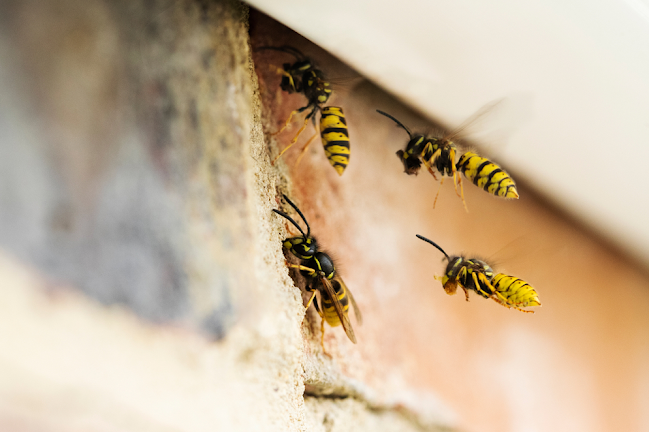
[411, 164]
[302, 247]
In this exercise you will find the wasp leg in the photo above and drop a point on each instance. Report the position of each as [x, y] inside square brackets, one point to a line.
[281, 153]
[461, 274]
[301, 267]
[457, 179]
[500, 299]
[513, 307]
[306, 122]
[466, 292]
[288, 229]
[429, 163]
[322, 328]
[310, 300]
[477, 279]
[288, 121]
[297, 162]
[322, 331]
[522, 310]
[430, 170]
[454, 172]
[280, 131]
[438, 190]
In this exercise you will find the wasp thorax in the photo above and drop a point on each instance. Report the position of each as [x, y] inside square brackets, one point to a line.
[324, 264]
[316, 87]
[416, 141]
[445, 162]
[486, 269]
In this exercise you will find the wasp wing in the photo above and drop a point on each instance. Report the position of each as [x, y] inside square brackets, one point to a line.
[357, 311]
[458, 131]
[344, 319]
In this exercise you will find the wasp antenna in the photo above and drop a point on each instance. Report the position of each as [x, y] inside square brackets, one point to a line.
[284, 48]
[292, 50]
[308, 228]
[434, 244]
[284, 215]
[396, 121]
[265, 47]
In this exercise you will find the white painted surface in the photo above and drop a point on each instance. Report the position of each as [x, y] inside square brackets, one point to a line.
[583, 66]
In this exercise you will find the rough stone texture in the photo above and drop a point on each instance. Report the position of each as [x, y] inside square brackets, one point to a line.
[144, 285]
[134, 169]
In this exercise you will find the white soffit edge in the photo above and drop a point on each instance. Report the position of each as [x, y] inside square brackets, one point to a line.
[583, 66]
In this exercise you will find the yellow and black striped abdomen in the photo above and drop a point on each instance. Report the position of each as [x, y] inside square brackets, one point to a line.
[515, 291]
[335, 137]
[328, 309]
[487, 175]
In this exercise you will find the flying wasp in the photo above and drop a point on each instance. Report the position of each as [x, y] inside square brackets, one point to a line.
[440, 152]
[303, 77]
[319, 270]
[475, 274]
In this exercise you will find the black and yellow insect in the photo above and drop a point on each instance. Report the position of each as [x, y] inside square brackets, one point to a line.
[319, 270]
[303, 77]
[475, 274]
[440, 152]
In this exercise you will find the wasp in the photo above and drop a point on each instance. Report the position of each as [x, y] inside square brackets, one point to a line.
[302, 77]
[440, 152]
[335, 138]
[319, 270]
[475, 274]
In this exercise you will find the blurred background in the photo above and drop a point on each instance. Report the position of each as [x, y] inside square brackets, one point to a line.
[572, 72]
[142, 279]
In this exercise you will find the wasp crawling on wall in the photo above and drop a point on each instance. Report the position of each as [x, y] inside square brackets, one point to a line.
[303, 77]
[439, 153]
[319, 270]
[475, 274]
